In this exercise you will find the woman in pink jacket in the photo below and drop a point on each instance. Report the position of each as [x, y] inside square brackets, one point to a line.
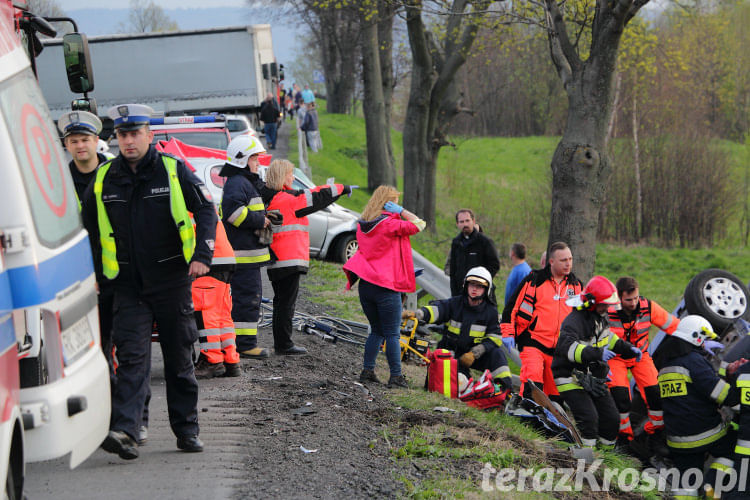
[384, 266]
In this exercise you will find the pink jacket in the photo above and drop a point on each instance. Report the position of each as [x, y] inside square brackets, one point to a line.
[384, 255]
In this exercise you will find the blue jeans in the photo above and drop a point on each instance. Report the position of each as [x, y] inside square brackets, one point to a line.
[383, 310]
[270, 130]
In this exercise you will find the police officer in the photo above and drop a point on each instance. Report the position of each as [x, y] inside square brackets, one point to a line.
[137, 211]
[473, 332]
[243, 214]
[80, 131]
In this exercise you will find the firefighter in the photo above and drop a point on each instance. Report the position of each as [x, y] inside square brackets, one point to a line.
[742, 448]
[691, 393]
[138, 211]
[473, 332]
[213, 314]
[533, 322]
[580, 363]
[632, 323]
[243, 213]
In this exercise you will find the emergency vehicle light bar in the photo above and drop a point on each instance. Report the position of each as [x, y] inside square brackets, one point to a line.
[176, 120]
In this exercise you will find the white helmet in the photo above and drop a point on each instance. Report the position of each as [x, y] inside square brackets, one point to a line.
[694, 329]
[241, 148]
[479, 275]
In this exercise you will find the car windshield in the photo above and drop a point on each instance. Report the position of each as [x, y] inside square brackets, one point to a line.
[216, 140]
[299, 174]
[236, 125]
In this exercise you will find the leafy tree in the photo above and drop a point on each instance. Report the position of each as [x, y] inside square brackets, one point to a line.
[146, 17]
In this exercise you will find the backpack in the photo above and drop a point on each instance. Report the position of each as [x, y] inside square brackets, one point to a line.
[442, 373]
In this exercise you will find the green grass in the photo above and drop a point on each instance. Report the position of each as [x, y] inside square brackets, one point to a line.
[507, 182]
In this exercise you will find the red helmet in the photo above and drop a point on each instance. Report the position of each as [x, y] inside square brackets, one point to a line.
[599, 290]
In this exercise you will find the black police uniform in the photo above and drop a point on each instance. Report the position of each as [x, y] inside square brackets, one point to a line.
[106, 295]
[152, 285]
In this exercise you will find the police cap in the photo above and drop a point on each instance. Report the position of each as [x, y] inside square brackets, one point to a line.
[130, 116]
[79, 122]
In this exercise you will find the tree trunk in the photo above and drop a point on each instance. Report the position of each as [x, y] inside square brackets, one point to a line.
[637, 167]
[580, 171]
[338, 62]
[416, 152]
[386, 11]
[379, 167]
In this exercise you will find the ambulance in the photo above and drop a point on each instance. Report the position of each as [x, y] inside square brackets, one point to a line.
[54, 380]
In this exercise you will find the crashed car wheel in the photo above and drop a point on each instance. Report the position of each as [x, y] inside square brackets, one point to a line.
[719, 296]
[346, 248]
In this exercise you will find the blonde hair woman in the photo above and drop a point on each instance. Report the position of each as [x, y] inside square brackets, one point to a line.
[290, 249]
[383, 264]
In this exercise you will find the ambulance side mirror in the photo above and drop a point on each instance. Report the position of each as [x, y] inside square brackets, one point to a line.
[78, 63]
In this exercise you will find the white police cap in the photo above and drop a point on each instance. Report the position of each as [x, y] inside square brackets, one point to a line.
[130, 116]
[79, 122]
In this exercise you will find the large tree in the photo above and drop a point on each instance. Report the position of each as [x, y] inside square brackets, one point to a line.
[434, 100]
[335, 27]
[377, 77]
[146, 17]
[585, 63]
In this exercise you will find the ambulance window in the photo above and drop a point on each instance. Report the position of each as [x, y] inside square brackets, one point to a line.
[45, 174]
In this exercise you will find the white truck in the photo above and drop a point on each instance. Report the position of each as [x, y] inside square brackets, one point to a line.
[228, 70]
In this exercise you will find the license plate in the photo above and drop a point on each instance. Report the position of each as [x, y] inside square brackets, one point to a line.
[76, 340]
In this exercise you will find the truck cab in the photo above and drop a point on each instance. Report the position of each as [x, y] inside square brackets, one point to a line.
[53, 376]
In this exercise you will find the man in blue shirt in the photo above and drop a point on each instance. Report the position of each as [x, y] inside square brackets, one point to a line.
[520, 269]
[307, 95]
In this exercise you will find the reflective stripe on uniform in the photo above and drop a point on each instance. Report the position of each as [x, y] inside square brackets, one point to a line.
[501, 372]
[566, 384]
[477, 330]
[308, 197]
[575, 350]
[525, 307]
[252, 256]
[207, 346]
[723, 368]
[742, 447]
[588, 443]
[334, 190]
[624, 421]
[696, 440]
[684, 494]
[223, 260]
[256, 204]
[291, 227]
[290, 263]
[497, 339]
[238, 217]
[720, 391]
[674, 373]
[454, 327]
[722, 464]
[246, 328]
[227, 342]
[433, 310]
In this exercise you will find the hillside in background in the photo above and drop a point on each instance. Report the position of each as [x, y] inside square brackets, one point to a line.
[507, 182]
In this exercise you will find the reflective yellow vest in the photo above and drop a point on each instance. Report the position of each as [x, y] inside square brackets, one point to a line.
[180, 214]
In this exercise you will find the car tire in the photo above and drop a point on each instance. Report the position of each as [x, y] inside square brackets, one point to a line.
[719, 296]
[346, 247]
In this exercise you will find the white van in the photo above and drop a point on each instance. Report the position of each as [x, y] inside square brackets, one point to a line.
[58, 374]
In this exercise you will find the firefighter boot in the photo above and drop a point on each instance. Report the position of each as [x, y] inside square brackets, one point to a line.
[657, 443]
[204, 369]
[255, 353]
[232, 369]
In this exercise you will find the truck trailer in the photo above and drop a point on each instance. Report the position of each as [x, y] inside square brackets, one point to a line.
[228, 70]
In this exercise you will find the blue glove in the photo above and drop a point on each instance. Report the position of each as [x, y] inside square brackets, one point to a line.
[509, 343]
[712, 345]
[638, 353]
[351, 189]
[393, 207]
[607, 354]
